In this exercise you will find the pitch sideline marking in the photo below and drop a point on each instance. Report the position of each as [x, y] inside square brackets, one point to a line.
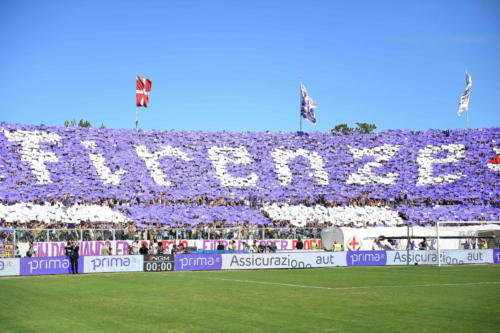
[353, 288]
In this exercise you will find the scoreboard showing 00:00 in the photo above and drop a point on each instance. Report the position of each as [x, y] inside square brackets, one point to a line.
[158, 263]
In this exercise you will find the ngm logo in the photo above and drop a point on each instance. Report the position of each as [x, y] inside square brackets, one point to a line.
[2, 265]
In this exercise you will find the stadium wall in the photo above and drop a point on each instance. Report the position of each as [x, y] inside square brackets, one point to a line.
[238, 261]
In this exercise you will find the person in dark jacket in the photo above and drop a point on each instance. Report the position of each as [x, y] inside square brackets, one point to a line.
[144, 248]
[67, 249]
[160, 248]
[73, 257]
[220, 246]
[299, 245]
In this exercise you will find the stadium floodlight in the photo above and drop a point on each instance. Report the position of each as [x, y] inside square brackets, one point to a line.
[470, 231]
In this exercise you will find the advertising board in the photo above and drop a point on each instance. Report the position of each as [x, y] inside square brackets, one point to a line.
[287, 260]
[366, 258]
[9, 267]
[496, 256]
[104, 264]
[198, 262]
[448, 257]
[43, 266]
[159, 263]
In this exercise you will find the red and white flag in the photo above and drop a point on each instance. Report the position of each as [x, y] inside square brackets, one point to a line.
[142, 91]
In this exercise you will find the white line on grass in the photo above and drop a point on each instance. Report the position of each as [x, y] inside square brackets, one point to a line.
[351, 288]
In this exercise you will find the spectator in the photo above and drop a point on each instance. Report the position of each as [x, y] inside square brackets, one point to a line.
[144, 249]
[68, 249]
[220, 246]
[172, 248]
[262, 247]
[160, 248]
[272, 247]
[483, 244]
[247, 247]
[255, 247]
[31, 251]
[423, 244]
[299, 245]
[105, 249]
[179, 248]
[153, 247]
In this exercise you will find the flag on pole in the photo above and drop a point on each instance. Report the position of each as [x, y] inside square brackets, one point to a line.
[307, 105]
[142, 91]
[464, 99]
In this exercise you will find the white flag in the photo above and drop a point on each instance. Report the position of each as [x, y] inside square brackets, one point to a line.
[464, 99]
[307, 105]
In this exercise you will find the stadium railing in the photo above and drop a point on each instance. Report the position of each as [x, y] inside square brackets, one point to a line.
[64, 235]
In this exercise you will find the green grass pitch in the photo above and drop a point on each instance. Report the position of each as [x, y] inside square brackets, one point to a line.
[350, 299]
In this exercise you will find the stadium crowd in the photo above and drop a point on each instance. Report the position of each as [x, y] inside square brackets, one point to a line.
[252, 184]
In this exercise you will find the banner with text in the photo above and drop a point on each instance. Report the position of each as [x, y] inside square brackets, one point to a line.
[198, 262]
[53, 265]
[448, 257]
[366, 258]
[283, 260]
[102, 264]
[121, 247]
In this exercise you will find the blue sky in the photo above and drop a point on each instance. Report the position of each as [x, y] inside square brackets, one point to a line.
[236, 65]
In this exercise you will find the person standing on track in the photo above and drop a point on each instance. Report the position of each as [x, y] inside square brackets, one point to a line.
[73, 257]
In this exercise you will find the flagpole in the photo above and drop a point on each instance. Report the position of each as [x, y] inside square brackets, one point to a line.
[300, 107]
[467, 110]
[136, 117]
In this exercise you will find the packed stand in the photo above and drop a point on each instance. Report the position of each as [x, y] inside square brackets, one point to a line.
[195, 180]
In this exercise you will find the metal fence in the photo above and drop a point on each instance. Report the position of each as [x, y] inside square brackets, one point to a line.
[65, 235]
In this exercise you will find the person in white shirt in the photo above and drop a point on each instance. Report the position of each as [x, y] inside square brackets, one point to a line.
[153, 248]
